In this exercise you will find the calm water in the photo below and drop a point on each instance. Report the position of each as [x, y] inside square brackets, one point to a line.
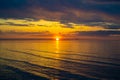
[65, 59]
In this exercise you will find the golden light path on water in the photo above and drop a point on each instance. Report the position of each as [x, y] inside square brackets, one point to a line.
[57, 47]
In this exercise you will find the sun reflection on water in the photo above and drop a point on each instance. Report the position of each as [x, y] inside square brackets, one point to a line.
[57, 48]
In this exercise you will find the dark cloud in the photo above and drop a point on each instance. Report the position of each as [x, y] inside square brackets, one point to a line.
[97, 33]
[106, 25]
[12, 4]
[15, 24]
[113, 27]
[106, 0]
[69, 10]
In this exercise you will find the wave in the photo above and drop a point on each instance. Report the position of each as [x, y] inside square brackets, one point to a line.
[99, 62]
[51, 72]
[78, 54]
[17, 74]
[71, 68]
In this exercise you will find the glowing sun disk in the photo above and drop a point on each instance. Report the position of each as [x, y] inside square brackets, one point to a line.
[57, 39]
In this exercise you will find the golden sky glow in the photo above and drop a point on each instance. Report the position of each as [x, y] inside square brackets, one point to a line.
[43, 25]
[46, 29]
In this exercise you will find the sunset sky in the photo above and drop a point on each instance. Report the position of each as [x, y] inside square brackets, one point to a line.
[68, 18]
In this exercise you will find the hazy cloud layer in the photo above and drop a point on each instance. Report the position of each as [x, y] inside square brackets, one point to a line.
[69, 10]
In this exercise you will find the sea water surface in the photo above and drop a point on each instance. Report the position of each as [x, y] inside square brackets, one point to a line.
[59, 60]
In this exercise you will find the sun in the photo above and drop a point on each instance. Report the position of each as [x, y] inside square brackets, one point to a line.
[57, 38]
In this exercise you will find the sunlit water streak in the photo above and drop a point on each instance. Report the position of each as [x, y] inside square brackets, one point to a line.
[74, 59]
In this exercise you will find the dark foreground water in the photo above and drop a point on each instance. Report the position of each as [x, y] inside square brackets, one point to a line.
[59, 60]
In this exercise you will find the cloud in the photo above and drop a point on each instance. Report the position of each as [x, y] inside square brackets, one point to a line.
[30, 25]
[106, 25]
[14, 24]
[97, 33]
[106, 1]
[69, 10]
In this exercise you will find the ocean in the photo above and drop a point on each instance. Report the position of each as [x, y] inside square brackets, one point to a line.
[59, 60]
